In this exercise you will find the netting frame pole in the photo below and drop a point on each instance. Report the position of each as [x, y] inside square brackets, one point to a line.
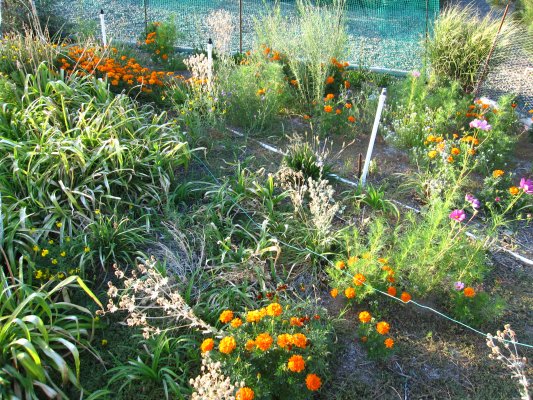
[489, 56]
[240, 26]
[427, 37]
[145, 4]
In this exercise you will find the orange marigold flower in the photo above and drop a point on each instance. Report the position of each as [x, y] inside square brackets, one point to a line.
[391, 290]
[274, 309]
[261, 92]
[307, 117]
[313, 382]
[348, 105]
[472, 152]
[338, 111]
[328, 109]
[330, 80]
[245, 393]
[284, 340]
[276, 56]
[296, 363]
[349, 293]
[295, 321]
[299, 340]
[227, 345]
[497, 173]
[391, 279]
[359, 279]
[236, 322]
[334, 293]
[450, 159]
[329, 96]
[264, 341]
[340, 264]
[253, 316]
[226, 316]
[164, 57]
[405, 297]
[364, 339]
[383, 327]
[250, 344]
[389, 343]
[207, 345]
[351, 119]
[347, 84]
[365, 317]
[455, 151]
[352, 261]
[514, 190]
[469, 292]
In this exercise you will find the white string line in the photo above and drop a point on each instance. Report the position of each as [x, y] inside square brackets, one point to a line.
[331, 263]
[517, 256]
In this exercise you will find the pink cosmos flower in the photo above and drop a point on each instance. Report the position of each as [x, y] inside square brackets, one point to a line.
[415, 74]
[459, 285]
[458, 215]
[526, 185]
[480, 124]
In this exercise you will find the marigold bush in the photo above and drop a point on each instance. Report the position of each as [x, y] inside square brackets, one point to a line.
[273, 348]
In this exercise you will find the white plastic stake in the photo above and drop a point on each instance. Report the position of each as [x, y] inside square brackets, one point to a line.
[381, 103]
[102, 25]
[210, 61]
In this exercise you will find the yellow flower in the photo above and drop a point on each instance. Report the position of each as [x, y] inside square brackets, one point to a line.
[227, 345]
[236, 322]
[35, 248]
[54, 261]
[59, 224]
[513, 190]
[274, 310]
[97, 211]
[104, 342]
[50, 241]
[432, 154]
[44, 253]
[226, 316]
[67, 239]
[63, 253]
[497, 173]
[86, 249]
[352, 261]
[38, 274]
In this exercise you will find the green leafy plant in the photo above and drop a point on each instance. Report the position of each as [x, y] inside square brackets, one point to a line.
[375, 199]
[160, 39]
[310, 157]
[163, 369]
[40, 337]
[476, 307]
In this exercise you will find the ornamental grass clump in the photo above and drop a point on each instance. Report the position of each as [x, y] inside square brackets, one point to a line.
[278, 350]
[461, 42]
[307, 42]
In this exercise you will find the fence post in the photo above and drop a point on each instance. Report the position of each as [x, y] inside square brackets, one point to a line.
[145, 3]
[240, 26]
[489, 56]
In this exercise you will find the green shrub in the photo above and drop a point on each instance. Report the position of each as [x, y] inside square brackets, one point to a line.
[309, 157]
[461, 42]
[159, 40]
[477, 308]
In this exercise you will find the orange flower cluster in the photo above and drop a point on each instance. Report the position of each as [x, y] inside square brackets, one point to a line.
[296, 363]
[226, 316]
[264, 341]
[245, 393]
[469, 292]
[227, 345]
[119, 70]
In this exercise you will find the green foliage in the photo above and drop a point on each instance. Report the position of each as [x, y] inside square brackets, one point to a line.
[255, 93]
[308, 157]
[375, 198]
[461, 42]
[70, 148]
[163, 369]
[41, 332]
[477, 310]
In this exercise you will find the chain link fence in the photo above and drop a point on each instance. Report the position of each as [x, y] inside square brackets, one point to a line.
[511, 73]
[386, 34]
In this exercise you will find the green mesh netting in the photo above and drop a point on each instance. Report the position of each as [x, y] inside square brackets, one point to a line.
[383, 33]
